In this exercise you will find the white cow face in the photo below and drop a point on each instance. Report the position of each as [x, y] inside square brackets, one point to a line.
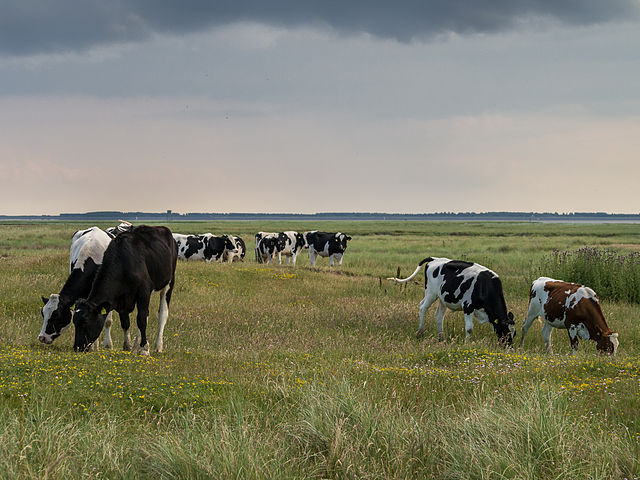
[55, 318]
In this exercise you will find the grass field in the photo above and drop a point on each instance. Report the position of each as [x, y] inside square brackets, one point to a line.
[281, 372]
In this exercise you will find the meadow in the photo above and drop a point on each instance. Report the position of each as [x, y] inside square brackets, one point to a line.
[279, 372]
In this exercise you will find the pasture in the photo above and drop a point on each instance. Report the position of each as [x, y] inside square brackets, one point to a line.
[278, 372]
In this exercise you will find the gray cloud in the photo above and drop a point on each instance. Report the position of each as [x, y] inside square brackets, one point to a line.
[42, 26]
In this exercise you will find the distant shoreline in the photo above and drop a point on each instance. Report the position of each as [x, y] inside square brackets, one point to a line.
[169, 216]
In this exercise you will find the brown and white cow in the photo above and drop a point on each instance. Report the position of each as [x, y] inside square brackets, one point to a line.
[573, 307]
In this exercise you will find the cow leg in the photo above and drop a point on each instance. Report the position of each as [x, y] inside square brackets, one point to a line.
[312, 257]
[573, 338]
[125, 324]
[331, 260]
[426, 302]
[163, 314]
[293, 259]
[339, 257]
[142, 318]
[546, 334]
[108, 344]
[441, 309]
[468, 326]
[532, 314]
[279, 258]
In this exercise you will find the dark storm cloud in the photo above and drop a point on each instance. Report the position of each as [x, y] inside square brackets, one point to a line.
[45, 26]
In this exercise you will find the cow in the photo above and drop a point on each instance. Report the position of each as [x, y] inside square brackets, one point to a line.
[135, 264]
[206, 246]
[292, 244]
[466, 286]
[573, 307]
[241, 250]
[332, 245]
[258, 238]
[85, 257]
[268, 245]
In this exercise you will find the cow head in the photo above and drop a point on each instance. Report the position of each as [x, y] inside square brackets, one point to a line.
[89, 319]
[342, 239]
[506, 331]
[608, 344]
[56, 316]
[301, 241]
[229, 244]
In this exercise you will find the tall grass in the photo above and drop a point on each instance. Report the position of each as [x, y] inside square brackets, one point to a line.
[613, 275]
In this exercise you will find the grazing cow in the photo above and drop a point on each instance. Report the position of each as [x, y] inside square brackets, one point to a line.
[85, 256]
[469, 287]
[241, 250]
[258, 237]
[325, 244]
[206, 246]
[268, 245]
[135, 264]
[573, 307]
[292, 244]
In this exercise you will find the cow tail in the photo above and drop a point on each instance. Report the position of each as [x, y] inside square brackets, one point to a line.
[415, 272]
[426, 260]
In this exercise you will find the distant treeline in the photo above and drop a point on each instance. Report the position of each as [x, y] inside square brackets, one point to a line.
[441, 216]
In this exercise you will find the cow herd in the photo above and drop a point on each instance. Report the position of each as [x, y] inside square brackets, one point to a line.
[119, 268]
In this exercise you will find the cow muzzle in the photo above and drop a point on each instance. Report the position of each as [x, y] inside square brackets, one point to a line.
[46, 339]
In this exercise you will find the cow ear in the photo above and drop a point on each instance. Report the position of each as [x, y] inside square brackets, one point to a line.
[104, 308]
[44, 300]
[348, 237]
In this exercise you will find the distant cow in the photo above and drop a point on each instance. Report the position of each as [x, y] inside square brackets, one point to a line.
[332, 245]
[206, 246]
[241, 250]
[472, 288]
[291, 243]
[267, 246]
[136, 263]
[85, 256]
[258, 238]
[573, 307]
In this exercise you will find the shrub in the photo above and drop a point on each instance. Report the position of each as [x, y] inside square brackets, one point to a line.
[612, 275]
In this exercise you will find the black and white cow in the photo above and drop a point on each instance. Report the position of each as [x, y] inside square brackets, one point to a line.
[85, 256]
[290, 245]
[241, 250]
[325, 244]
[258, 238]
[206, 246]
[135, 264]
[268, 246]
[472, 288]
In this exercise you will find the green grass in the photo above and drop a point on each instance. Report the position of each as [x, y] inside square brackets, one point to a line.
[276, 372]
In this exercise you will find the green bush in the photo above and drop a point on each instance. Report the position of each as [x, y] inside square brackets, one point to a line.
[612, 275]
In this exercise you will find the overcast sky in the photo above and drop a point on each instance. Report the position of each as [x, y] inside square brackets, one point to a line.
[316, 106]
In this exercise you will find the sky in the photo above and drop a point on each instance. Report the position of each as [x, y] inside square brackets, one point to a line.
[404, 106]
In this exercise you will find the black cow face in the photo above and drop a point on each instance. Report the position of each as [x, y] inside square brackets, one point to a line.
[506, 331]
[342, 239]
[55, 316]
[89, 320]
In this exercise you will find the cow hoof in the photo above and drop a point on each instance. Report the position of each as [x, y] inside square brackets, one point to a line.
[144, 351]
[419, 334]
[441, 337]
[108, 346]
[126, 347]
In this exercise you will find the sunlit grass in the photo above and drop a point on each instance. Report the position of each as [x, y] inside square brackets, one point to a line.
[280, 372]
